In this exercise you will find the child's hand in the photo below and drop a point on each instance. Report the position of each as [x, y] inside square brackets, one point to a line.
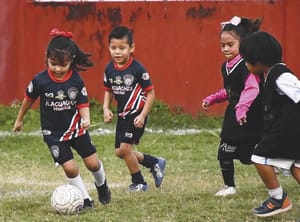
[85, 124]
[205, 105]
[18, 126]
[243, 121]
[107, 115]
[139, 121]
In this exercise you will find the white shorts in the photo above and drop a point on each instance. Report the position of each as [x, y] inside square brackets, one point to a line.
[276, 162]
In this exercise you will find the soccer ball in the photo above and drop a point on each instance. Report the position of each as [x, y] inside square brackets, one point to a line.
[67, 199]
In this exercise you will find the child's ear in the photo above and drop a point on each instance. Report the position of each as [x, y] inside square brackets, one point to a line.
[132, 48]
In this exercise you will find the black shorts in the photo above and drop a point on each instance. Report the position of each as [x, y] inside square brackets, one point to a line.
[61, 151]
[126, 132]
[228, 151]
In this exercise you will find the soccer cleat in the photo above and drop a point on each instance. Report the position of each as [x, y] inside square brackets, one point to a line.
[137, 187]
[104, 194]
[273, 206]
[226, 191]
[88, 204]
[158, 171]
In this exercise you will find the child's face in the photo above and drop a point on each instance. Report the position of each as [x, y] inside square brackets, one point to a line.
[120, 50]
[230, 44]
[59, 70]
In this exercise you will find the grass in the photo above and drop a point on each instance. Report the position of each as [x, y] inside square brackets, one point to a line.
[28, 176]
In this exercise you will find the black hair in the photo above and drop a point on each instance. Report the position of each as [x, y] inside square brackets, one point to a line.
[244, 28]
[262, 48]
[63, 49]
[120, 32]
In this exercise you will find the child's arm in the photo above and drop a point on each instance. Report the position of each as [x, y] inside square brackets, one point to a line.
[26, 104]
[247, 97]
[289, 84]
[107, 113]
[139, 121]
[85, 116]
[217, 97]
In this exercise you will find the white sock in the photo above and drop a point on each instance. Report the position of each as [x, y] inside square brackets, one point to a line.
[99, 175]
[78, 182]
[276, 193]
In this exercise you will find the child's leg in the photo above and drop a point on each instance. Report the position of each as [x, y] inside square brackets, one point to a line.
[227, 169]
[146, 160]
[96, 167]
[72, 172]
[268, 176]
[296, 173]
[125, 152]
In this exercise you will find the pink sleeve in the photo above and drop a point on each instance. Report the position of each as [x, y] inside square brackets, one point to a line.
[247, 97]
[217, 97]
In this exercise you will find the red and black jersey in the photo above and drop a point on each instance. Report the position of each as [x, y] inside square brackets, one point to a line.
[129, 84]
[59, 104]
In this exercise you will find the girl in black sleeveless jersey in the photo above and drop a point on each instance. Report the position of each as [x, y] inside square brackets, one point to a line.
[279, 146]
[242, 125]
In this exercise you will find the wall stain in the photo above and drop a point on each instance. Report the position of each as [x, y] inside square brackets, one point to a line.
[200, 12]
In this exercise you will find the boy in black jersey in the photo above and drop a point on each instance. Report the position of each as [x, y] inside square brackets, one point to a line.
[65, 115]
[126, 80]
[279, 146]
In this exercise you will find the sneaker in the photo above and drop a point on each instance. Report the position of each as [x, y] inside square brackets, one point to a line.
[273, 206]
[158, 171]
[104, 194]
[88, 204]
[226, 191]
[137, 187]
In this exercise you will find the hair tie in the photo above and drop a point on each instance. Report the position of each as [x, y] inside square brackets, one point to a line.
[55, 32]
[234, 21]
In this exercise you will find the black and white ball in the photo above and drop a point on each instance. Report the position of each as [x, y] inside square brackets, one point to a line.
[67, 199]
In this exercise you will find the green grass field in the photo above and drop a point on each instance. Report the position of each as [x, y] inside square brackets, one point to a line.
[28, 176]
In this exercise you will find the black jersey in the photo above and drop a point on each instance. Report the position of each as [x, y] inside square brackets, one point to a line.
[234, 83]
[281, 120]
[59, 103]
[129, 85]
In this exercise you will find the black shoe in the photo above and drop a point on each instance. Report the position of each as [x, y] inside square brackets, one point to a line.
[104, 194]
[88, 204]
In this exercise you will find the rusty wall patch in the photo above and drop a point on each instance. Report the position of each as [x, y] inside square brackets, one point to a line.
[200, 12]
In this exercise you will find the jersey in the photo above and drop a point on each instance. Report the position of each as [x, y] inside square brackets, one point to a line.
[234, 83]
[281, 120]
[129, 85]
[59, 104]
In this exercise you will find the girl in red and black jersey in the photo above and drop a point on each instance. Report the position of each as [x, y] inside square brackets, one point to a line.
[64, 113]
[242, 125]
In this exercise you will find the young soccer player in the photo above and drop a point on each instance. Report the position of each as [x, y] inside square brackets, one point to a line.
[65, 115]
[279, 146]
[242, 125]
[126, 80]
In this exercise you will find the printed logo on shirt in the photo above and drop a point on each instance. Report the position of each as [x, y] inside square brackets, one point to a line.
[72, 93]
[30, 87]
[118, 80]
[55, 151]
[128, 79]
[60, 95]
[46, 132]
[145, 76]
[84, 91]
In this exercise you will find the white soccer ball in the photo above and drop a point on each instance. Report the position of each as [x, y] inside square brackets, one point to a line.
[67, 199]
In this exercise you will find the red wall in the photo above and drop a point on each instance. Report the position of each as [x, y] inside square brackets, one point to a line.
[177, 41]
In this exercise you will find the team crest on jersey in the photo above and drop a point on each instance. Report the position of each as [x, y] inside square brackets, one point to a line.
[30, 87]
[145, 76]
[60, 95]
[118, 80]
[55, 151]
[128, 79]
[72, 93]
